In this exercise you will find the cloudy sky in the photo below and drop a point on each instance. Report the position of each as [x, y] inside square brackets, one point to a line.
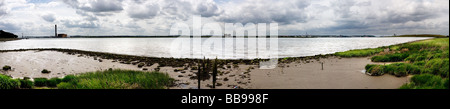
[155, 17]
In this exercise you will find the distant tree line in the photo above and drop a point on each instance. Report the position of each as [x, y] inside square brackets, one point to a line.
[4, 34]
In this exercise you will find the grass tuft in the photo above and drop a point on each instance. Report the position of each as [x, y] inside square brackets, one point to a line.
[117, 79]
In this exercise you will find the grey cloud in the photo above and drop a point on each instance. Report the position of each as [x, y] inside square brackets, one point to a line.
[97, 5]
[49, 17]
[342, 8]
[350, 24]
[144, 12]
[420, 13]
[2, 9]
[8, 26]
[266, 12]
[177, 9]
[80, 24]
[208, 9]
[87, 16]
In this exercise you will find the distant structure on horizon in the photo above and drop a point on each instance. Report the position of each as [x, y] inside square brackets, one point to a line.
[59, 35]
[56, 31]
[227, 35]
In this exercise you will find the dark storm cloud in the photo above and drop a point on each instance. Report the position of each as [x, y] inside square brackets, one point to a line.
[49, 17]
[97, 5]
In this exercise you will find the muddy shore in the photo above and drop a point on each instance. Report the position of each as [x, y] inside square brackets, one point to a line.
[291, 73]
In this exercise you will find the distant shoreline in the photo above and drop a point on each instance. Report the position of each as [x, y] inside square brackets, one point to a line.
[281, 36]
[8, 39]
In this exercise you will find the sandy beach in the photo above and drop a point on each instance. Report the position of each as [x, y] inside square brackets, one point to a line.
[338, 73]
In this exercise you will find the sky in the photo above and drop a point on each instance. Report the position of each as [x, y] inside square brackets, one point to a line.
[155, 17]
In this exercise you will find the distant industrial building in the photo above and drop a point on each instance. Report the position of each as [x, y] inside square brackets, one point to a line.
[59, 35]
[62, 35]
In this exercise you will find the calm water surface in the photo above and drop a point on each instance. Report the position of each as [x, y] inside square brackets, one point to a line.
[162, 47]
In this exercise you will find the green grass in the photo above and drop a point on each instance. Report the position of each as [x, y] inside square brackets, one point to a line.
[40, 82]
[396, 57]
[428, 60]
[117, 79]
[360, 52]
[423, 35]
[8, 83]
[396, 69]
[427, 81]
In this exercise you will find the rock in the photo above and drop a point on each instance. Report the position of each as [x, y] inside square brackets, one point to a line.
[145, 69]
[140, 65]
[100, 60]
[6, 68]
[231, 75]
[219, 84]
[177, 70]
[225, 79]
[183, 72]
[180, 76]
[190, 75]
[45, 71]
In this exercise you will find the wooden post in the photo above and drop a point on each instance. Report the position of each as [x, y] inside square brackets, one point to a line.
[322, 65]
[199, 72]
[214, 73]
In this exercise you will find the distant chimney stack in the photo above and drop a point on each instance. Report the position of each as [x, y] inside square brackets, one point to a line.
[56, 31]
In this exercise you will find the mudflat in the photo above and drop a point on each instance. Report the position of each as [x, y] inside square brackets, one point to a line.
[337, 73]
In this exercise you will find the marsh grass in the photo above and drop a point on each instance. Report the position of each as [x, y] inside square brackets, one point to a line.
[117, 79]
[360, 52]
[428, 60]
[8, 83]
[427, 81]
[40, 82]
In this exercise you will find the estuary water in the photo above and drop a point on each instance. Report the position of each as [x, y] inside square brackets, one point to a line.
[231, 48]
